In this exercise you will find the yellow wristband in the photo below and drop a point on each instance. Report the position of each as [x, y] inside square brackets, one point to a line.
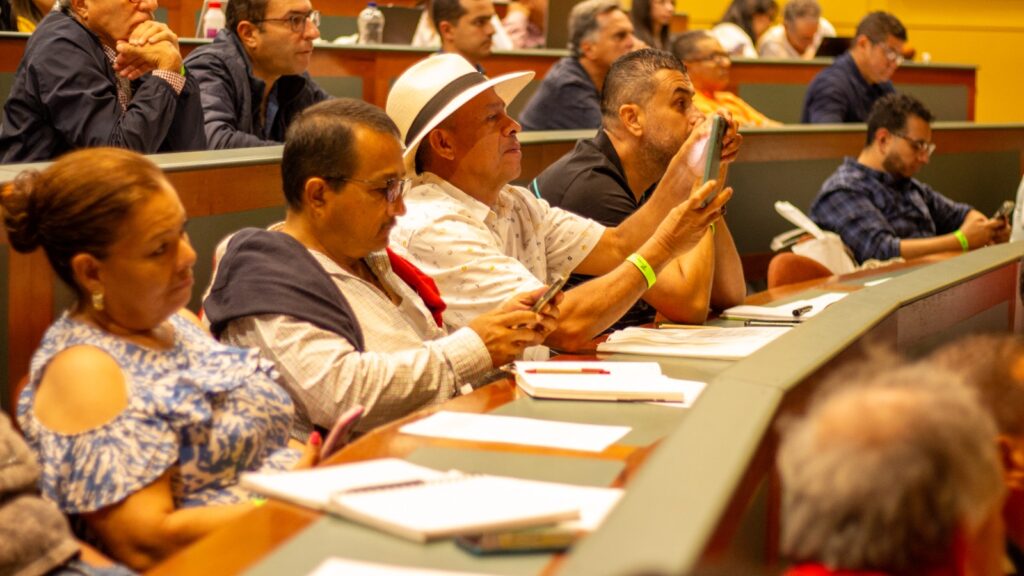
[962, 238]
[644, 268]
[257, 501]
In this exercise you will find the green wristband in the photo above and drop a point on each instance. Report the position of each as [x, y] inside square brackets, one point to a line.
[962, 238]
[644, 268]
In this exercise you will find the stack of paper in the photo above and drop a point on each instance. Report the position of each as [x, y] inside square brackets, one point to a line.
[796, 311]
[515, 430]
[603, 381]
[421, 503]
[715, 343]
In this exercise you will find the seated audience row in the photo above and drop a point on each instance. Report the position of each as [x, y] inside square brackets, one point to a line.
[800, 33]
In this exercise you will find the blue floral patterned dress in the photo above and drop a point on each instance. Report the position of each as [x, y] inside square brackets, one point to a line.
[202, 409]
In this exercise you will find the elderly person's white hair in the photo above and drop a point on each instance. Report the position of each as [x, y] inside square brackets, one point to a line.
[883, 471]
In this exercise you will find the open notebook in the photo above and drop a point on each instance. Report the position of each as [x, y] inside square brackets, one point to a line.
[422, 504]
[603, 381]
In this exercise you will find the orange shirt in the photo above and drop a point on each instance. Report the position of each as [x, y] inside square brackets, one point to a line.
[742, 112]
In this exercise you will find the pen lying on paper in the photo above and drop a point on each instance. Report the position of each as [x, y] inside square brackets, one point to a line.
[798, 312]
[567, 371]
[770, 323]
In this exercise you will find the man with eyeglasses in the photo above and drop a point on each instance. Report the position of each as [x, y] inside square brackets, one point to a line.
[253, 75]
[881, 211]
[345, 320]
[101, 73]
[846, 90]
[708, 65]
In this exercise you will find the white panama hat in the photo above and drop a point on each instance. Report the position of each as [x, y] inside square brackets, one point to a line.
[433, 89]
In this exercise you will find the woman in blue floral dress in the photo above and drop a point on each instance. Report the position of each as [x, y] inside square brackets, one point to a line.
[141, 421]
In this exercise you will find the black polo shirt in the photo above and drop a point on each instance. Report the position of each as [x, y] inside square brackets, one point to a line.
[590, 181]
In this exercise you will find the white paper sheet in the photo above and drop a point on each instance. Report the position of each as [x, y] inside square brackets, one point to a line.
[515, 430]
[714, 343]
[346, 567]
[784, 312]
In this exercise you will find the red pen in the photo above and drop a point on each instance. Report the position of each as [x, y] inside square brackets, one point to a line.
[567, 371]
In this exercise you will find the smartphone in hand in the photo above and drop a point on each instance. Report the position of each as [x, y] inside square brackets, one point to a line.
[551, 292]
[341, 432]
[713, 155]
[1005, 211]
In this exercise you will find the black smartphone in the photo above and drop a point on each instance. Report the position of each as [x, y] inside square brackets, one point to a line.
[1005, 211]
[713, 154]
[342, 430]
[552, 290]
[518, 541]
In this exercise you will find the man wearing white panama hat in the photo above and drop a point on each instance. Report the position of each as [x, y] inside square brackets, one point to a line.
[483, 240]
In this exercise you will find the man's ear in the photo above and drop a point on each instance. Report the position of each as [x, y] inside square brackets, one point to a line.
[1011, 454]
[862, 43]
[441, 143]
[882, 137]
[587, 49]
[87, 272]
[248, 33]
[314, 194]
[631, 117]
[445, 30]
[80, 8]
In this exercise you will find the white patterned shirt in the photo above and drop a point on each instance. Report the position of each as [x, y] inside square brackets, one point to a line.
[480, 257]
[408, 363]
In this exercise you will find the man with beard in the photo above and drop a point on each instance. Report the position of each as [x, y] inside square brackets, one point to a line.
[881, 211]
[648, 113]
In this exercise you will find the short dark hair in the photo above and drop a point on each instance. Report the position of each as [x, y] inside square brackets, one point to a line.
[630, 80]
[742, 12]
[583, 21]
[891, 112]
[684, 46]
[77, 205]
[239, 10]
[878, 26]
[321, 142]
[445, 11]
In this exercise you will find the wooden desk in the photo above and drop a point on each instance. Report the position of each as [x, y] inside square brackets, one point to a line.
[697, 497]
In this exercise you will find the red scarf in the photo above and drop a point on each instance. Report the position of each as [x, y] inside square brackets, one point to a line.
[424, 285]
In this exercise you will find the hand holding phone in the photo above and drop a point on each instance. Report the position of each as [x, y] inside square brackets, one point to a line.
[342, 430]
[713, 155]
[1004, 211]
[550, 293]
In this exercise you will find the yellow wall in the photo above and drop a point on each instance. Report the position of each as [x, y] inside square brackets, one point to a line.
[986, 33]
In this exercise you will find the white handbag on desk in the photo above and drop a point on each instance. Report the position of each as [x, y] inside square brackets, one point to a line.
[826, 248]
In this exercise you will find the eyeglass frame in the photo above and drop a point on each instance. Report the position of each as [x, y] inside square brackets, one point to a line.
[891, 54]
[716, 57]
[311, 16]
[918, 144]
[397, 188]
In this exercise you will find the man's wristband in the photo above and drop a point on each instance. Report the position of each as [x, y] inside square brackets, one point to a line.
[644, 268]
[962, 238]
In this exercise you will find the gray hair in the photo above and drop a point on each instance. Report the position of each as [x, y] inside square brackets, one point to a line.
[882, 471]
[992, 365]
[583, 21]
[800, 9]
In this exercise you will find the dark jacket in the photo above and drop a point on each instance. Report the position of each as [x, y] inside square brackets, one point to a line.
[232, 95]
[65, 97]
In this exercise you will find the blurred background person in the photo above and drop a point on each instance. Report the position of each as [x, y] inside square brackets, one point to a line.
[142, 423]
[525, 23]
[23, 15]
[743, 23]
[800, 33]
[708, 65]
[652, 20]
[426, 35]
[892, 473]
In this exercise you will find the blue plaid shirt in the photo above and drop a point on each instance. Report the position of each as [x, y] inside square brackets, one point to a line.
[873, 210]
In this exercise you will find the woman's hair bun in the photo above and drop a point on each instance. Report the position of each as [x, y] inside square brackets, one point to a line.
[20, 218]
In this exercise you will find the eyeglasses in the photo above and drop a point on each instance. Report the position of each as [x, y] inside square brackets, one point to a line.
[890, 53]
[394, 188]
[922, 146]
[717, 57]
[297, 22]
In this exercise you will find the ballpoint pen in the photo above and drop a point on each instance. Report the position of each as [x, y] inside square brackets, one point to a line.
[771, 323]
[798, 312]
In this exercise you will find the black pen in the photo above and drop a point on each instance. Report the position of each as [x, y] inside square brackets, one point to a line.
[775, 323]
[802, 310]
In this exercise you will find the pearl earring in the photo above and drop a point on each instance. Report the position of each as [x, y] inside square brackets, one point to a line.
[97, 301]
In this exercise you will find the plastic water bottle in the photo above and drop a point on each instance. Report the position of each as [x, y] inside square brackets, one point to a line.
[371, 25]
[213, 21]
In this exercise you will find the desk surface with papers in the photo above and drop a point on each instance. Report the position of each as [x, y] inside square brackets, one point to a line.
[698, 482]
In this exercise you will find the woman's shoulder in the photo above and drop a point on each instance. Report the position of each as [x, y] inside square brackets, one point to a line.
[81, 388]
